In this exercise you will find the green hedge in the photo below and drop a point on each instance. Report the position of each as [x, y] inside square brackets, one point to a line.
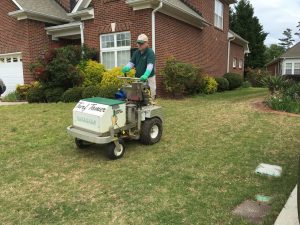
[72, 94]
[223, 84]
[91, 91]
[235, 80]
[54, 95]
[36, 95]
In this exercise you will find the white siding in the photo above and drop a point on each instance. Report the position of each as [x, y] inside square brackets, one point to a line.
[287, 61]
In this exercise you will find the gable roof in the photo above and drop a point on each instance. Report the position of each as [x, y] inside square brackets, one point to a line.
[293, 52]
[42, 8]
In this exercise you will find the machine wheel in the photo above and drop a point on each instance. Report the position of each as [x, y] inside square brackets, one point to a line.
[81, 144]
[151, 131]
[113, 152]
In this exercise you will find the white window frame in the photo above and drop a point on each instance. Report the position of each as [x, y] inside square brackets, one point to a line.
[298, 68]
[234, 61]
[217, 16]
[114, 49]
[291, 69]
[241, 62]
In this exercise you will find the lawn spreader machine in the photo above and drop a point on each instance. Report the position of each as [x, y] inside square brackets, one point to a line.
[133, 115]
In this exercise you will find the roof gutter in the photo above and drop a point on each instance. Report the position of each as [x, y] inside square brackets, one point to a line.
[153, 24]
[228, 57]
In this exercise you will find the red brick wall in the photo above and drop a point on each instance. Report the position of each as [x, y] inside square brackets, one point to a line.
[206, 48]
[237, 52]
[274, 68]
[26, 36]
[107, 12]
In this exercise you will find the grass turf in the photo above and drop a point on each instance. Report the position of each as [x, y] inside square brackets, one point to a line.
[202, 168]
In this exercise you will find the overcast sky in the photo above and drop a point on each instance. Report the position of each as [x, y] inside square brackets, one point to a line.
[276, 16]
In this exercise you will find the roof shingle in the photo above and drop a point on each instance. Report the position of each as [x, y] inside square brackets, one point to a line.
[45, 7]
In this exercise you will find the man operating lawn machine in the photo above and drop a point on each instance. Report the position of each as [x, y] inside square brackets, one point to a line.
[143, 60]
[133, 115]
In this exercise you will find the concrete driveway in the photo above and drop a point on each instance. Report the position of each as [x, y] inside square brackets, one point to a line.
[12, 103]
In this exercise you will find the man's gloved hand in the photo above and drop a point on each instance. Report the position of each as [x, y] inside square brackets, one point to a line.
[126, 69]
[145, 76]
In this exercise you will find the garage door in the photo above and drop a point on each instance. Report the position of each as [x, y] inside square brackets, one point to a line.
[11, 71]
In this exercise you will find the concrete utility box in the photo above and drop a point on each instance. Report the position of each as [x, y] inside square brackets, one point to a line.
[96, 114]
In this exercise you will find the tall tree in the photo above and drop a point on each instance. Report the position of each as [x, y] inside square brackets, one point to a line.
[244, 23]
[273, 52]
[298, 32]
[287, 41]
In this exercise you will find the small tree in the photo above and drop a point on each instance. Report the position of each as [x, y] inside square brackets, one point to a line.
[287, 41]
[273, 52]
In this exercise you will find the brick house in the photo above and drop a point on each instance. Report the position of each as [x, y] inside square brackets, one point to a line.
[194, 31]
[288, 64]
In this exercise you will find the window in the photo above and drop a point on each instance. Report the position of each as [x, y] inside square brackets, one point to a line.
[219, 12]
[288, 68]
[115, 49]
[241, 64]
[234, 63]
[297, 68]
[8, 60]
[2, 60]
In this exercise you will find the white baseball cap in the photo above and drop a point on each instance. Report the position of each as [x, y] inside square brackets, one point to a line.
[142, 38]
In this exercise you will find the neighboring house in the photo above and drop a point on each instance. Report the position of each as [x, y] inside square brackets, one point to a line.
[194, 31]
[288, 64]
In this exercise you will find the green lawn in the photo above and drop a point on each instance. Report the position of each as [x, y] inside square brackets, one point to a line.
[202, 168]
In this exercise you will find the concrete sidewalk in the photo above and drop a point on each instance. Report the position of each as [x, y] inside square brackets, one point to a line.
[289, 213]
[12, 103]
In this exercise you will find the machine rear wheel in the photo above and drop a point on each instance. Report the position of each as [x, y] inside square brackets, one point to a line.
[81, 144]
[151, 131]
[113, 152]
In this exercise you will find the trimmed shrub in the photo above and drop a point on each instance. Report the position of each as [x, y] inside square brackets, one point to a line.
[92, 72]
[223, 84]
[22, 90]
[208, 85]
[108, 91]
[181, 78]
[256, 76]
[246, 84]
[91, 91]
[72, 95]
[235, 80]
[54, 95]
[291, 90]
[110, 78]
[36, 94]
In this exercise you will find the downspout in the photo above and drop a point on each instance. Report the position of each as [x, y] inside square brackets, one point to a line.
[153, 24]
[82, 36]
[228, 57]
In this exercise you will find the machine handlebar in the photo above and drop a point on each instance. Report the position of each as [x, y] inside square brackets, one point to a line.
[129, 78]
